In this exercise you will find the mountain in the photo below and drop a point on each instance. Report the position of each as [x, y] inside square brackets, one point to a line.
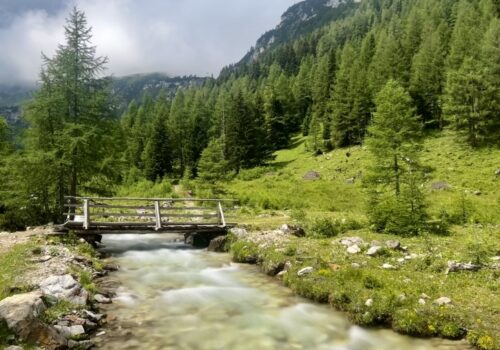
[300, 19]
[133, 87]
[125, 89]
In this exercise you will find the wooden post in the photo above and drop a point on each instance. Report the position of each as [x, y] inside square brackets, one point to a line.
[221, 215]
[86, 214]
[157, 215]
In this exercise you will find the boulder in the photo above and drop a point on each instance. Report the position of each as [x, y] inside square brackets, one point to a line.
[20, 312]
[305, 271]
[64, 288]
[218, 244]
[457, 266]
[393, 244]
[272, 268]
[354, 249]
[293, 230]
[312, 176]
[349, 241]
[374, 251]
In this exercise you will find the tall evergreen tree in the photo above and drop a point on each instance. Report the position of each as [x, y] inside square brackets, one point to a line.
[397, 203]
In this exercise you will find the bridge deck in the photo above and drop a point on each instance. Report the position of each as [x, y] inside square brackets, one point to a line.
[92, 215]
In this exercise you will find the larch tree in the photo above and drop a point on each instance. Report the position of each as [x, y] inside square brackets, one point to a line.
[71, 120]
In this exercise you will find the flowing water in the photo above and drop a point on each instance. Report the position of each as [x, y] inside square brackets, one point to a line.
[173, 297]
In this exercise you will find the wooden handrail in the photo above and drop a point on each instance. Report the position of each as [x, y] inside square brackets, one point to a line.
[151, 199]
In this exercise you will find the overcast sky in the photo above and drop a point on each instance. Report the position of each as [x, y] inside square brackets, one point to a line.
[178, 37]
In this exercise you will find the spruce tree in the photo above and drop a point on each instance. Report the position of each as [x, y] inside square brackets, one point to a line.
[212, 166]
[397, 204]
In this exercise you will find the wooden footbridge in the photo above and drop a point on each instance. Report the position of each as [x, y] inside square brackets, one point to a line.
[92, 215]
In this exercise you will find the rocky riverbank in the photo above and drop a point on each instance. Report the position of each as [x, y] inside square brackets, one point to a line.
[421, 286]
[49, 298]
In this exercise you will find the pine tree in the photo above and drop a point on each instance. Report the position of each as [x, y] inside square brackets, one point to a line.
[4, 137]
[157, 154]
[212, 165]
[397, 204]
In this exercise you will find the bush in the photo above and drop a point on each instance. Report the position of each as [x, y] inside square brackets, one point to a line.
[324, 227]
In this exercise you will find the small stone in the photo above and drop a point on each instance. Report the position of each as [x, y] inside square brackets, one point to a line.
[401, 260]
[388, 266]
[354, 249]
[312, 176]
[350, 241]
[288, 266]
[422, 301]
[393, 244]
[14, 347]
[305, 271]
[81, 241]
[101, 299]
[293, 230]
[369, 302]
[373, 251]
[497, 172]
[100, 333]
[477, 193]
[402, 297]
[92, 316]
[355, 265]
[424, 296]
[281, 274]
[442, 301]
[350, 181]
[70, 332]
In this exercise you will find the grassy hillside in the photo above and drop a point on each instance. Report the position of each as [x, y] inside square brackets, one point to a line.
[471, 188]
[460, 182]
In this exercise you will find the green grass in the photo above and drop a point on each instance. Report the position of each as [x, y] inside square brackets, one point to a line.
[395, 293]
[12, 265]
[280, 189]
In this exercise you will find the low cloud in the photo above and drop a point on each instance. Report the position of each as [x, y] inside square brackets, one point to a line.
[178, 37]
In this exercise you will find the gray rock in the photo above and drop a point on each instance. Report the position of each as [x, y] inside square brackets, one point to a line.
[374, 251]
[312, 175]
[454, 266]
[239, 232]
[70, 332]
[288, 266]
[354, 249]
[272, 268]
[281, 274]
[355, 266]
[350, 181]
[497, 172]
[442, 301]
[21, 313]
[92, 316]
[393, 244]
[387, 266]
[101, 299]
[440, 186]
[349, 241]
[422, 301]
[218, 244]
[64, 288]
[369, 302]
[80, 345]
[424, 296]
[305, 271]
[293, 230]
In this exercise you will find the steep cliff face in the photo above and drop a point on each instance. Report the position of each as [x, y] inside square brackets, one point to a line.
[302, 18]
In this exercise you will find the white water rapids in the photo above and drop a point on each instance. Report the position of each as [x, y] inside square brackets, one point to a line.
[172, 297]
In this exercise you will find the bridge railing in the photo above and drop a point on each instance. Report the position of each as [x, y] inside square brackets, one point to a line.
[157, 213]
